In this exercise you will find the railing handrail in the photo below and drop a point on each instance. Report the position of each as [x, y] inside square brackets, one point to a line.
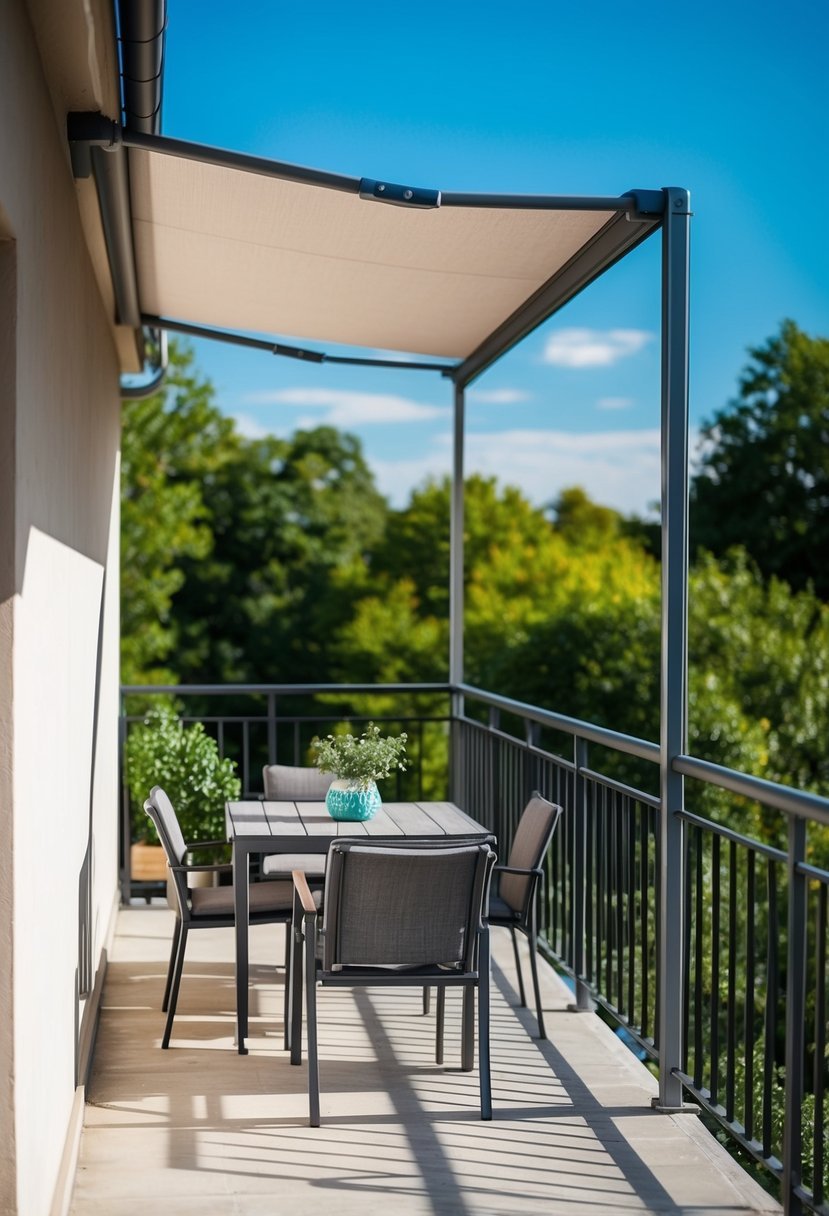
[571, 726]
[801, 803]
[785, 798]
[298, 690]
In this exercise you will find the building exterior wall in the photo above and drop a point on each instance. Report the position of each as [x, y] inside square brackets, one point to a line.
[59, 446]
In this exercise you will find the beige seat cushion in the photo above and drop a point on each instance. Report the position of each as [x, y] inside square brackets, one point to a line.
[312, 864]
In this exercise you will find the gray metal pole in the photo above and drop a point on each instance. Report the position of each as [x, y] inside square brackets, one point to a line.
[456, 558]
[674, 659]
[798, 893]
[583, 1002]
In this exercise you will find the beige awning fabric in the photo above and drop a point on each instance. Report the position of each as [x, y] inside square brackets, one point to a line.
[232, 249]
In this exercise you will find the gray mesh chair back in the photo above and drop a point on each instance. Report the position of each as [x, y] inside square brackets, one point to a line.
[160, 810]
[289, 783]
[532, 839]
[515, 905]
[402, 907]
[396, 916]
[207, 907]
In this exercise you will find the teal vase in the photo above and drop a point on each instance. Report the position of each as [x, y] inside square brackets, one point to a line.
[345, 800]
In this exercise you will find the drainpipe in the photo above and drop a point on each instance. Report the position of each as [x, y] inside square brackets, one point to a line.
[146, 388]
[141, 29]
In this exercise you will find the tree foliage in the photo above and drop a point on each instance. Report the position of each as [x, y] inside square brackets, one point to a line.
[290, 521]
[763, 481]
[172, 442]
[235, 551]
[276, 560]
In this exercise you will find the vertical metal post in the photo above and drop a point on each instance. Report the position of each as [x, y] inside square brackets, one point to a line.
[456, 567]
[272, 728]
[126, 824]
[795, 1018]
[583, 1002]
[674, 651]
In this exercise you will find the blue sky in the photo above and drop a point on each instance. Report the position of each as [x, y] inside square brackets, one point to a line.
[727, 99]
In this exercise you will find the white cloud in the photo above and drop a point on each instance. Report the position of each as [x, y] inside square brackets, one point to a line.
[349, 409]
[618, 469]
[250, 427]
[498, 396]
[593, 347]
[614, 403]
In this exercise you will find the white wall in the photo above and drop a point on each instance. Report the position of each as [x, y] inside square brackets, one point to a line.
[60, 434]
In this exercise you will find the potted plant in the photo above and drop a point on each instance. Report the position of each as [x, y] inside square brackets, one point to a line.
[185, 762]
[358, 763]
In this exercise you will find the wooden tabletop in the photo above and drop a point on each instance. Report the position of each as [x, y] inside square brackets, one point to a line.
[295, 821]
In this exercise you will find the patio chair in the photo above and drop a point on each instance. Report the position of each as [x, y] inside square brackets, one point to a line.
[290, 783]
[515, 904]
[396, 916]
[207, 907]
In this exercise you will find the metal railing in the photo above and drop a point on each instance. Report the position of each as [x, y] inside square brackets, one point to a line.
[754, 913]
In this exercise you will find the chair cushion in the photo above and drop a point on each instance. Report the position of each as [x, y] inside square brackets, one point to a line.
[312, 864]
[264, 897]
[500, 911]
[535, 829]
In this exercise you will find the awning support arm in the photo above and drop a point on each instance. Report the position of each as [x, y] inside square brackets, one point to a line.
[287, 351]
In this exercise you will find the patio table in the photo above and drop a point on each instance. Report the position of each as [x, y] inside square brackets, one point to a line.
[306, 827]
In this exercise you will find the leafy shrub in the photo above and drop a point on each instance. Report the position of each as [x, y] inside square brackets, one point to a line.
[185, 762]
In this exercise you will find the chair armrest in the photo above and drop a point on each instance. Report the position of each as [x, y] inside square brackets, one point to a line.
[517, 870]
[304, 892]
[223, 867]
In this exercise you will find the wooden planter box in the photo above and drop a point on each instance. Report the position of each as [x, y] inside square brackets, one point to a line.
[148, 863]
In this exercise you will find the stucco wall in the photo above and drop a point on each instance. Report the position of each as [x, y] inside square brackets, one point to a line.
[59, 420]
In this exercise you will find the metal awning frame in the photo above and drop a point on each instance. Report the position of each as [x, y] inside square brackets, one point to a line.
[100, 145]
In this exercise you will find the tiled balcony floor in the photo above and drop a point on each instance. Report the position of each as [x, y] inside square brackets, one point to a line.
[200, 1130]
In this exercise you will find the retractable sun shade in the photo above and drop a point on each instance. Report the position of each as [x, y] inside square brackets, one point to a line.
[232, 242]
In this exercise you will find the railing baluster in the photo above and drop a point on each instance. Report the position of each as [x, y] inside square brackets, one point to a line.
[820, 1045]
[601, 849]
[246, 756]
[590, 883]
[644, 901]
[698, 964]
[579, 813]
[795, 1017]
[609, 920]
[770, 1042]
[750, 1010]
[714, 1031]
[686, 979]
[271, 728]
[630, 877]
[620, 900]
[731, 1016]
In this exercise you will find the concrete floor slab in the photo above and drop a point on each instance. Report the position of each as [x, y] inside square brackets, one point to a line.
[212, 1133]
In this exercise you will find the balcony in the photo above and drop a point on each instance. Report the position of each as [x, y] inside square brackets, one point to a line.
[751, 920]
[202, 1129]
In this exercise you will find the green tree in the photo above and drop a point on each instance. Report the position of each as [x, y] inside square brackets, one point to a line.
[290, 523]
[171, 443]
[583, 521]
[763, 480]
